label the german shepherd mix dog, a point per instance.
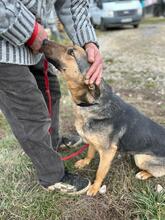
(105, 121)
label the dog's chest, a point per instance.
(91, 131)
(81, 120)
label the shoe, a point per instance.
(69, 141)
(71, 184)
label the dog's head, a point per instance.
(72, 62)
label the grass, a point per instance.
(21, 197)
(150, 204)
(153, 20)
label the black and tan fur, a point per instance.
(105, 121)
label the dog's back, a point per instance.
(142, 135)
(135, 132)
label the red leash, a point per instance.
(75, 153)
(47, 87)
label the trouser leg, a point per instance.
(38, 72)
(24, 107)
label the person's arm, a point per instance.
(75, 17)
(16, 22)
(74, 14)
(18, 25)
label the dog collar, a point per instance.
(86, 104)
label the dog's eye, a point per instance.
(71, 52)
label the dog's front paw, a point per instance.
(143, 175)
(82, 163)
(93, 189)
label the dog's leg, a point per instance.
(150, 166)
(90, 155)
(106, 157)
(143, 175)
(142, 161)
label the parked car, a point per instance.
(115, 13)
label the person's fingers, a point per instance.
(95, 75)
(90, 54)
(93, 67)
(98, 80)
(86, 81)
(91, 70)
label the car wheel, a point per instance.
(102, 25)
(136, 25)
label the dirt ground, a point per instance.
(134, 65)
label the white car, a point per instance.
(115, 13)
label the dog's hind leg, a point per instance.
(106, 157)
(90, 155)
(150, 166)
(143, 175)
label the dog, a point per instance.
(105, 121)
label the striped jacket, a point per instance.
(17, 19)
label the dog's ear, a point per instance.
(94, 91)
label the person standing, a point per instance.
(21, 101)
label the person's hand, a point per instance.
(36, 40)
(94, 73)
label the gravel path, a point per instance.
(135, 66)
